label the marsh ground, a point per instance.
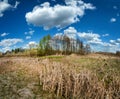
(92, 76)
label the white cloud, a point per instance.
(32, 44)
(94, 39)
(70, 30)
(118, 40)
(113, 20)
(28, 37)
(4, 34)
(114, 42)
(58, 16)
(89, 36)
(4, 5)
(4, 49)
(10, 42)
(16, 4)
(58, 35)
(98, 44)
(80, 3)
(104, 35)
(111, 46)
(30, 32)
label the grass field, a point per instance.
(92, 76)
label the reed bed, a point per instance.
(66, 78)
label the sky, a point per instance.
(25, 22)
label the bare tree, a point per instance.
(87, 48)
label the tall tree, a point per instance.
(44, 46)
(66, 44)
(87, 48)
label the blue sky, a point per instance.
(96, 22)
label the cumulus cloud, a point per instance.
(4, 34)
(10, 42)
(58, 16)
(71, 32)
(4, 5)
(113, 20)
(80, 3)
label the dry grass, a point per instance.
(64, 77)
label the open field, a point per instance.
(92, 76)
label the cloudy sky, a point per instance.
(96, 22)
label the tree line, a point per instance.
(61, 45)
(53, 45)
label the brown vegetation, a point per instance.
(60, 77)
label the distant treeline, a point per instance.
(109, 53)
(48, 45)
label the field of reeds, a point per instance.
(60, 77)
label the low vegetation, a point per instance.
(93, 76)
